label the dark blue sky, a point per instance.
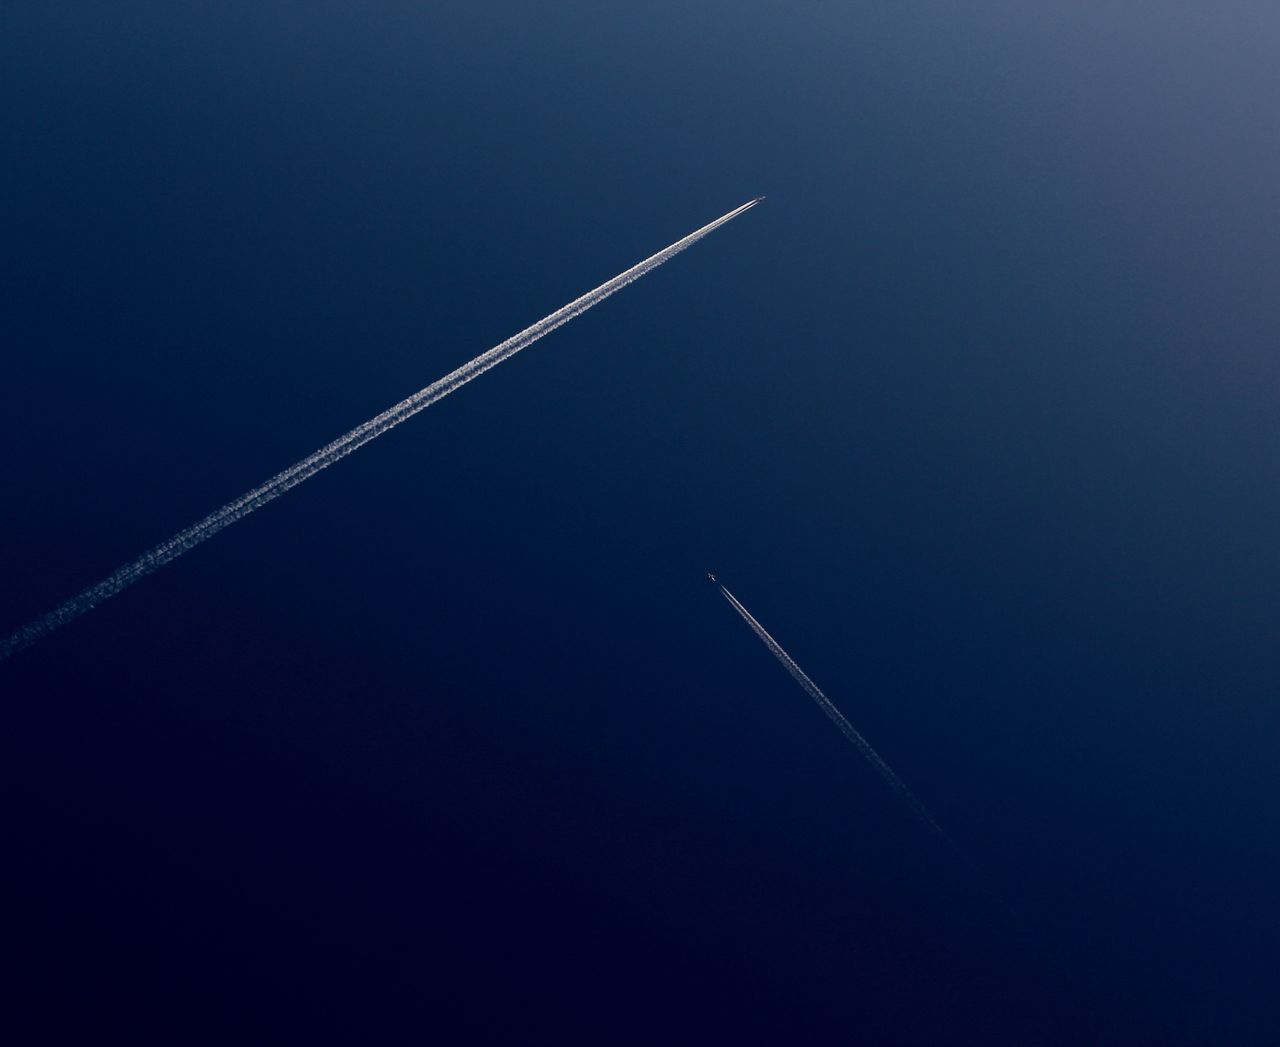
(977, 414)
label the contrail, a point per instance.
(341, 447)
(962, 861)
(837, 717)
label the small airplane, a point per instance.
(710, 577)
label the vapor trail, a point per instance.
(341, 447)
(837, 717)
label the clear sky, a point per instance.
(976, 413)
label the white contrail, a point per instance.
(959, 857)
(837, 717)
(340, 448)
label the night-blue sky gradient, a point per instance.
(976, 413)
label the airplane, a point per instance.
(757, 199)
(710, 577)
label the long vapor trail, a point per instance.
(341, 447)
(837, 717)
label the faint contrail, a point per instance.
(961, 860)
(837, 717)
(340, 448)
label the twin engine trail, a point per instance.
(846, 728)
(1033, 940)
(340, 448)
